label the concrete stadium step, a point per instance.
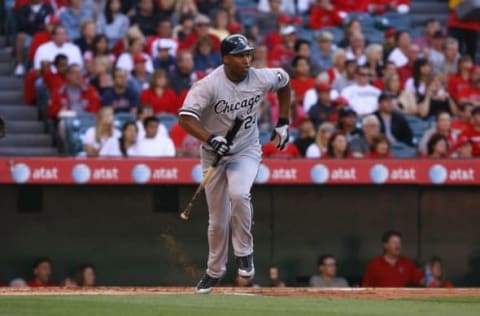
(28, 151)
(6, 56)
(26, 140)
(18, 112)
(25, 127)
(421, 10)
(11, 83)
(6, 69)
(12, 97)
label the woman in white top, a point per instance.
(417, 85)
(125, 146)
(319, 147)
(96, 137)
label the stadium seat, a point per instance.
(75, 128)
(373, 35)
(264, 136)
(365, 19)
(418, 126)
(168, 120)
(306, 34)
(401, 150)
(293, 134)
(398, 21)
(247, 16)
(122, 118)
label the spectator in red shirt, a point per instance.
(380, 148)
(472, 94)
(74, 95)
(54, 80)
(281, 54)
(472, 132)
(159, 96)
(42, 271)
(301, 80)
(324, 14)
(406, 71)
(437, 275)
(437, 147)
(465, 31)
(464, 118)
(460, 83)
(348, 6)
(43, 36)
(337, 146)
(392, 269)
(462, 149)
(202, 26)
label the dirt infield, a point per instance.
(353, 293)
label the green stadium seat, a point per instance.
(75, 128)
(168, 120)
(122, 118)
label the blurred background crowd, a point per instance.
(108, 76)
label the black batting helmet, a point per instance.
(235, 44)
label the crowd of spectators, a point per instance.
(390, 269)
(79, 57)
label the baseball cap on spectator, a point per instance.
(164, 44)
(202, 19)
(284, 19)
(325, 36)
(287, 30)
(340, 101)
(234, 27)
(389, 32)
(139, 59)
(347, 111)
(385, 95)
(322, 87)
(52, 19)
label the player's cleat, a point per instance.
(206, 284)
(246, 269)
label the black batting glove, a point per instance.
(219, 144)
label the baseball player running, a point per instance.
(232, 90)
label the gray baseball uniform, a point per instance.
(216, 101)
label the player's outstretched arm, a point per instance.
(193, 127)
(280, 134)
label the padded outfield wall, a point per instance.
(134, 236)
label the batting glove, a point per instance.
(219, 144)
(282, 131)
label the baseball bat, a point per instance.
(185, 215)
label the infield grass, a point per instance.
(216, 305)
